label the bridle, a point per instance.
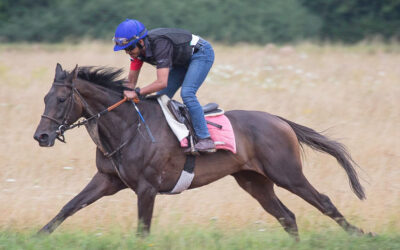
(63, 124)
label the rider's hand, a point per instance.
(130, 94)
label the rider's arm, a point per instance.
(157, 85)
(132, 78)
(162, 53)
(136, 65)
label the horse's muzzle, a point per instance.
(44, 139)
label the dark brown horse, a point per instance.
(268, 151)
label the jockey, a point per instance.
(182, 60)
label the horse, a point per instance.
(268, 151)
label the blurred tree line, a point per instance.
(230, 21)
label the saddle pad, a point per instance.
(179, 129)
(223, 138)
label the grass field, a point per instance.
(195, 238)
(352, 91)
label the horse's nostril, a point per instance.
(41, 137)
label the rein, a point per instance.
(64, 127)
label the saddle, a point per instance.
(181, 113)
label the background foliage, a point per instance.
(231, 21)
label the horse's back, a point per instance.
(259, 123)
(263, 135)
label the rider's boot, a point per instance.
(205, 145)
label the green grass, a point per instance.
(196, 238)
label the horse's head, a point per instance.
(61, 108)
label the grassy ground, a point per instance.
(354, 91)
(191, 238)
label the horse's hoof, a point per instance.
(372, 234)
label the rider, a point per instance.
(182, 60)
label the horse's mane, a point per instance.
(103, 76)
(106, 77)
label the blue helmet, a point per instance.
(128, 33)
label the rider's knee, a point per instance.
(188, 95)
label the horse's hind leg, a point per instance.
(100, 185)
(322, 202)
(290, 176)
(261, 188)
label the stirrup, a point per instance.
(191, 150)
(188, 151)
(208, 151)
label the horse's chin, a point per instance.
(47, 144)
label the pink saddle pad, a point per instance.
(224, 138)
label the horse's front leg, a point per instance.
(146, 194)
(100, 185)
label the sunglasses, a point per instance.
(131, 47)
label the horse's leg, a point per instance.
(261, 188)
(290, 176)
(100, 185)
(146, 194)
(322, 202)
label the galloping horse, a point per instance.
(268, 150)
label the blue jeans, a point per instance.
(190, 79)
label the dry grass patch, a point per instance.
(353, 92)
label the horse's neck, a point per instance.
(113, 124)
(95, 99)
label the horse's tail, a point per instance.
(321, 143)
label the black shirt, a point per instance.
(158, 53)
(168, 47)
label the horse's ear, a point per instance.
(59, 71)
(74, 74)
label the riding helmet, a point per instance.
(128, 33)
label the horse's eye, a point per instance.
(61, 99)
